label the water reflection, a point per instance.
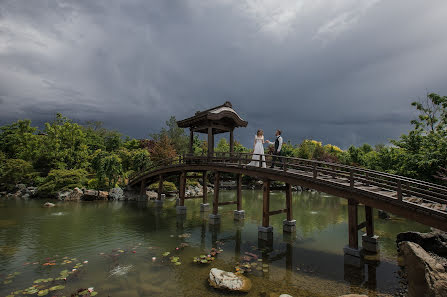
(308, 262)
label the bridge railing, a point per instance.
(399, 187)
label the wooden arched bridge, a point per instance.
(420, 201)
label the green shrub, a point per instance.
(15, 171)
(193, 183)
(167, 187)
(63, 180)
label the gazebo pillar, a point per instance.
(231, 141)
(191, 140)
(210, 142)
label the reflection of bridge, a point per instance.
(416, 200)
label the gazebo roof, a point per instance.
(221, 118)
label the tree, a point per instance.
(15, 171)
(222, 146)
(63, 180)
(17, 140)
(176, 135)
(163, 150)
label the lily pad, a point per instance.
(42, 292)
(178, 263)
(7, 282)
(55, 288)
(165, 254)
(94, 293)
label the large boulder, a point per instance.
(63, 195)
(90, 195)
(116, 194)
(426, 277)
(220, 279)
(75, 195)
(435, 241)
(103, 195)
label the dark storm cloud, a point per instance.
(342, 72)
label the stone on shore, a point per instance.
(103, 195)
(151, 195)
(116, 194)
(220, 279)
(435, 241)
(383, 215)
(75, 195)
(426, 277)
(49, 204)
(90, 195)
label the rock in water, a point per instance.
(435, 241)
(151, 195)
(116, 194)
(383, 215)
(103, 195)
(49, 204)
(426, 277)
(90, 195)
(228, 280)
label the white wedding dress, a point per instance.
(258, 152)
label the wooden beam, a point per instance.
(216, 192)
(369, 221)
(142, 186)
(266, 203)
(205, 188)
(271, 213)
(361, 225)
(289, 201)
(239, 192)
(353, 224)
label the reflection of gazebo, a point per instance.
(219, 119)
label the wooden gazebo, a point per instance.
(219, 119)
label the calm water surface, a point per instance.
(120, 240)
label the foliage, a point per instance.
(63, 180)
(223, 146)
(177, 136)
(15, 171)
(167, 187)
(108, 168)
(163, 150)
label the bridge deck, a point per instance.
(422, 201)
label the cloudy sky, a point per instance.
(340, 71)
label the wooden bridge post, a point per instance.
(352, 253)
(160, 187)
(205, 206)
(214, 218)
(142, 190)
(369, 240)
(239, 214)
(181, 208)
(289, 225)
(265, 232)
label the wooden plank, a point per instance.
(361, 225)
(352, 224)
(266, 203)
(216, 192)
(271, 213)
(289, 201)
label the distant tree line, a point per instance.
(65, 154)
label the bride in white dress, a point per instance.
(258, 150)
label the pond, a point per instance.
(139, 249)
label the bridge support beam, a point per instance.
(214, 218)
(289, 225)
(370, 241)
(181, 208)
(239, 214)
(143, 190)
(353, 255)
(205, 206)
(265, 232)
(160, 187)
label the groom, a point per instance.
(278, 146)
